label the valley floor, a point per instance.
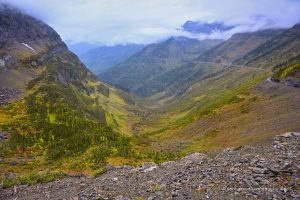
(270, 172)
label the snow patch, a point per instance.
(29, 47)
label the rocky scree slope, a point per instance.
(270, 172)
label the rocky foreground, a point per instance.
(271, 172)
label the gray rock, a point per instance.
(10, 175)
(13, 163)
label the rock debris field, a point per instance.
(269, 172)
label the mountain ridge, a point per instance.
(153, 60)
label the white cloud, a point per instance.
(140, 21)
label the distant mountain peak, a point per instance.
(205, 27)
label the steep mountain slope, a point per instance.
(139, 71)
(237, 46)
(100, 59)
(176, 82)
(63, 116)
(281, 49)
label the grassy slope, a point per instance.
(240, 110)
(256, 118)
(202, 97)
(215, 112)
(120, 114)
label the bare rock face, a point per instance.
(271, 172)
(21, 33)
(15, 24)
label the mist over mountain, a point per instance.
(204, 27)
(145, 22)
(81, 47)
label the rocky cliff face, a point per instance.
(270, 172)
(22, 27)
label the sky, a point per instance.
(145, 21)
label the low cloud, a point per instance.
(135, 21)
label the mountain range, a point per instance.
(157, 102)
(228, 81)
(143, 72)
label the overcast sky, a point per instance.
(145, 21)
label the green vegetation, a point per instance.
(207, 97)
(286, 70)
(32, 179)
(63, 123)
